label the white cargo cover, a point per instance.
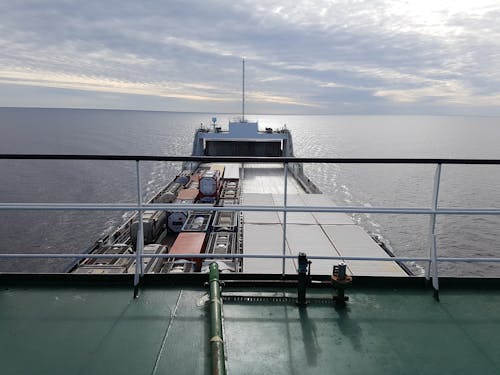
(232, 171)
(267, 178)
(259, 217)
(321, 200)
(264, 239)
(351, 240)
(294, 217)
(311, 239)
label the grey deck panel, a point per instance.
(267, 178)
(263, 185)
(322, 200)
(352, 240)
(263, 199)
(294, 217)
(232, 171)
(311, 200)
(265, 239)
(311, 239)
(259, 217)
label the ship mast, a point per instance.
(243, 101)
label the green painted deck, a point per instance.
(103, 330)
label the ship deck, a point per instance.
(395, 329)
(319, 234)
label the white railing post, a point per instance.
(140, 234)
(432, 270)
(285, 201)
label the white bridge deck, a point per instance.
(321, 234)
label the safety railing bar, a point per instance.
(433, 265)
(212, 256)
(71, 207)
(238, 256)
(82, 256)
(285, 210)
(140, 235)
(472, 260)
(198, 207)
(251, 159)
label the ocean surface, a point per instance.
(66, 131)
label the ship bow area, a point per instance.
(262, 233)
(254, 240)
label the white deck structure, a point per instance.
(322, 234)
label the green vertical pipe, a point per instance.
(216, 339)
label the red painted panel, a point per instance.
(188, 194)
(190, 243)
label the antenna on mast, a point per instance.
(243, 102)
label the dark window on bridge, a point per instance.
(232, 148)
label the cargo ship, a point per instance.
(200, 229)
(195, 224)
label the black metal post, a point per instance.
(303, 279)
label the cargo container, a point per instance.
(170, 193)
(208, 199)
(178, 266)
(227, 202)
(190, 243)
(184, 177)
(193, 184)
(230, 190)
(209, 183)
(117, 248)
(154, 223)
(226, 221)
(195, 177)
(150, 265)
(100, 270)
(222, 243)
(176, 220)
(232, 172)
(220, 168)
(197, 221)
(188, 194)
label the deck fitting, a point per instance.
(303, 279)
(340, 281)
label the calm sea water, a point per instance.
(162, 133)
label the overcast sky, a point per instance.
(317, 56)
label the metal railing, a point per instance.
(433, 259)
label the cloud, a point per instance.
(303, 56)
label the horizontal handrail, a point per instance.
(209, 256)
(198, 207)
(242, 256)
(251, 159)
